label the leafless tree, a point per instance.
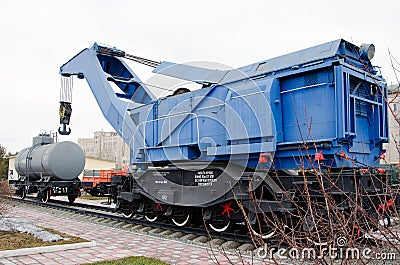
(4, 201)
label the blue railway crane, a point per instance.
(246, 129)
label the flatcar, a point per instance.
(104, 182)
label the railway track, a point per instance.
(235, 242)
(102, 215)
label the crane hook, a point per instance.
(64, 130)
(65, 116)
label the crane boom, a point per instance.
(100, 65)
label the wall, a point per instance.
(95, 164)
(12, 173)
(392, 151)
(107, 146)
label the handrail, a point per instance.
(145, 145)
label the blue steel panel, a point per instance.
(190, 73)
(171, 153)
(248, 114)
(241, 149)
(311, 54)
(125, 79)
(308, 104)
(342, 103)
(309, 93)
(202, 75)
(309, 115)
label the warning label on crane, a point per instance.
(205, 178)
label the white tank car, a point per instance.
(63, 161)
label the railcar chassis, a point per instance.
(47, 187)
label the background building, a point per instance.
(393, 147)
(106, 146)
(12, 173)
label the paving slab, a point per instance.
(110, 243)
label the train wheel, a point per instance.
(305, 230)
(260, 228)
(22, 194)
(386, 215)
(153, 211)
(45, 195)
(262, 232)
(317, 229)
(128, 213)
(151, 217)
(319, 241)
(220, 227)
(72, 198)
(388, 221)
(181, 219)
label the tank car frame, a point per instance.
(48, 187)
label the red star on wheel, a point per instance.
(227, 209)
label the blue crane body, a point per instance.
(254, 128)
(325, 96)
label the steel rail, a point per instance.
(110, 214)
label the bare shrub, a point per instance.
(4, 197)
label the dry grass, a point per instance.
(90, 197)
(132, 261)
(15, 240)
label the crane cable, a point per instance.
(142, 60)
(146, 62)
(118, 53)
(112, 51)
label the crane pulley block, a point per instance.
(104, 49)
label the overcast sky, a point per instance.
(37, 37)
